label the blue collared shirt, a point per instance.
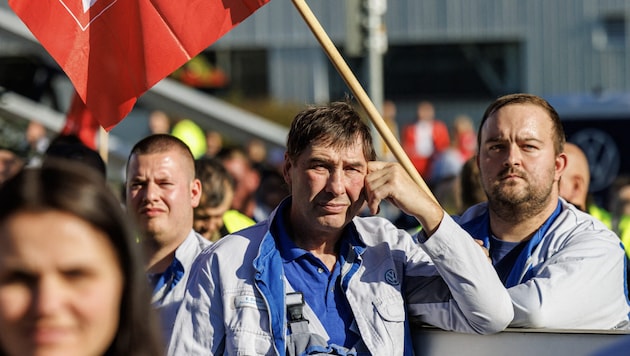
(170, 286)
(321, 288)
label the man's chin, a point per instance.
(510, 197)
(332, 222)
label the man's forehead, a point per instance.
(525, 116)
(353, 151)
(165, 162)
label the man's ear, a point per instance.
(195, 192)
(561, 164)
(286, 168)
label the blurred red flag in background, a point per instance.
(115, 50)
(81, 122)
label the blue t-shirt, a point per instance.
(504, 254)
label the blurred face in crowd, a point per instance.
(573, 185)
(214, 143)
(60, 286)
(10, 164)
(327, 187)
(246, 181)
(159, 122)
(161, 194)
(209, 220)
(518, 164)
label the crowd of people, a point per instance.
(222, 252)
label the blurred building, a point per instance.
(460, 54)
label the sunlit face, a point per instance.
(161, 195)
(327, 187)
(60, 286)
(517, 160)
(209, 220)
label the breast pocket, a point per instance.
(248, 331)
(391, 308)
(388, 322)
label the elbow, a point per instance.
(533, 318)
(495, 320)
(492, 326)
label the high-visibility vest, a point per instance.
(234, 220)
(600, 214)
(623, 230)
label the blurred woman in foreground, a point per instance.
(71, 275)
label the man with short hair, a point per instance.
(161, 193)
(562, 268)
(315, 278)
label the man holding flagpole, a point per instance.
(316, 279)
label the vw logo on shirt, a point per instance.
(391, 278)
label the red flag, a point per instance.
(115, 50)
(81, 122)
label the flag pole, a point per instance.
(103, 145)
(375, 117)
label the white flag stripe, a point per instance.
(87, 4)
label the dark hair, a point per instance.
(336, 124)
(214, 178)
(64, 185)
(71, 147)
(521, 98)
(471, 189)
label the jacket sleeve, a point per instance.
(199, 329)
(465, 293)
(578, 284)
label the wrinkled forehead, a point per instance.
(336, 151)
(355, 143)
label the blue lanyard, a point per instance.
(479, 228)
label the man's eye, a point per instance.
(75, 273)
(17, 277)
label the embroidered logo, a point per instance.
(391, 278)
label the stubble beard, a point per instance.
(517, 202)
